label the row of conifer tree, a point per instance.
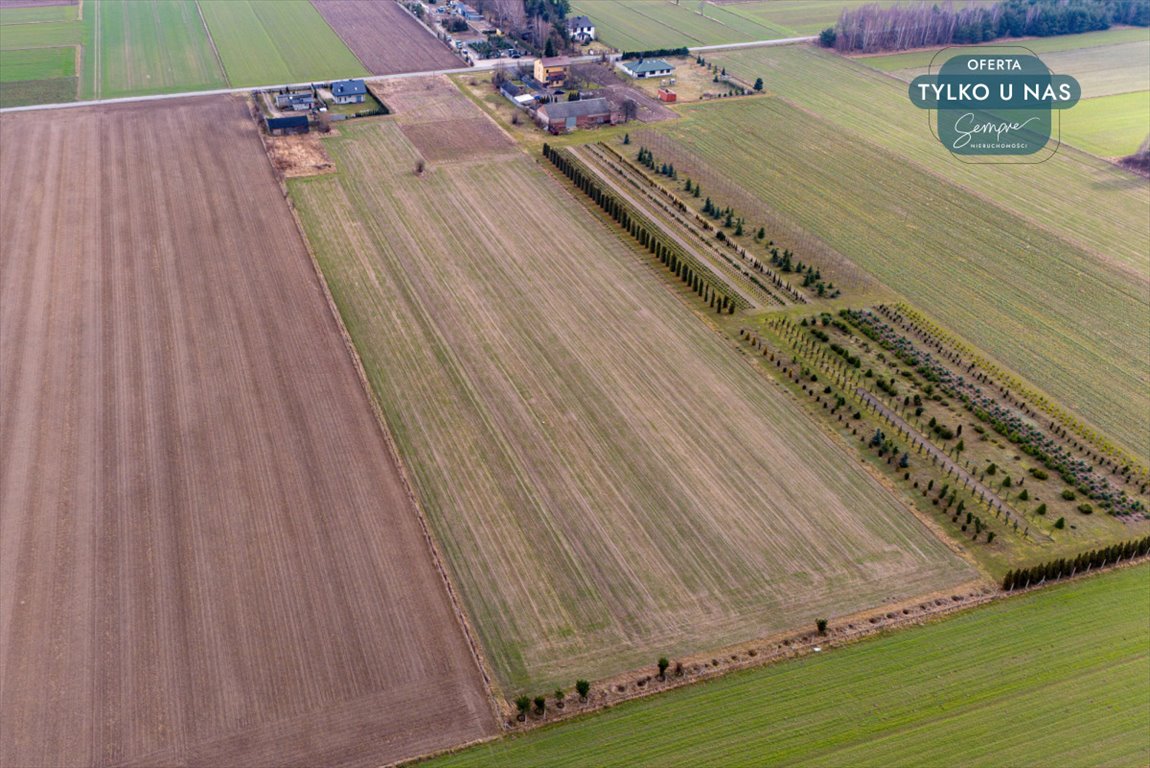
(1065, 567)
(648, 236)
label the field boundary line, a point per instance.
(212, 43)
(393, 451)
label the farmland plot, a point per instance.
(1055, 313)
(268, 42)
(966, 691)
(608, 479)
(207, 552)
(385, 38)
(153, 46)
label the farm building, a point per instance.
(667, 95)
(644, 68)
(552, 72)
(348, 91)
(298, 101)
(566, 116)
(580, 28)
(287, 124)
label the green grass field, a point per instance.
(635, 25)
(265, 42)
(37, 64)
(35, 15)
(1109, 126)
(153, 46)
(22, 92)
(1050, 260)
(890, 62)
(1056, 677)
(607, 478)
(1102, 70)
(46, 35)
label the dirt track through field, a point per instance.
(207, 554)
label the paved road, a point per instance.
(479, 66)
(947, 462)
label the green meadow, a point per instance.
(1060, 676)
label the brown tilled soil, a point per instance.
(207, 553)
(442, 123)
(385, 38)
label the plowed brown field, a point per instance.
(207, 554)
(385, 38)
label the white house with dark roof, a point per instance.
(580, 28)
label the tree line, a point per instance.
(1066, 567)
(871, 28)
(683, 267)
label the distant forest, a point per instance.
(871, 28)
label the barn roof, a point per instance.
(561, 110)
(348, 88)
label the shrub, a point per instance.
(1024, 496)
(821, 625)
(992, 469)
(1038, 474)
(582, 687)
(1060, 523)
(989, 536)
(663, 664)
(1040, 509)
(522, 704)
(1006, 482)
(540, 705)
(1068, 494)
(1086, 509)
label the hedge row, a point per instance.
(1064, 567)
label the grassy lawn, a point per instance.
(1057, 677)
(154, 46)
(37, 64)
(1109, 126)
(1051, 311)
(607, 478)
(266, 42)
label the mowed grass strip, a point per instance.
(266, 42)
(609, 481)
(1110, 126)
(154, 46)
(1057, 677)
(37, 64)
(1048, 310)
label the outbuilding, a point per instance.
(296, 101)
(644, 68)
(287, 124)
(567, 116)
(348, 91)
